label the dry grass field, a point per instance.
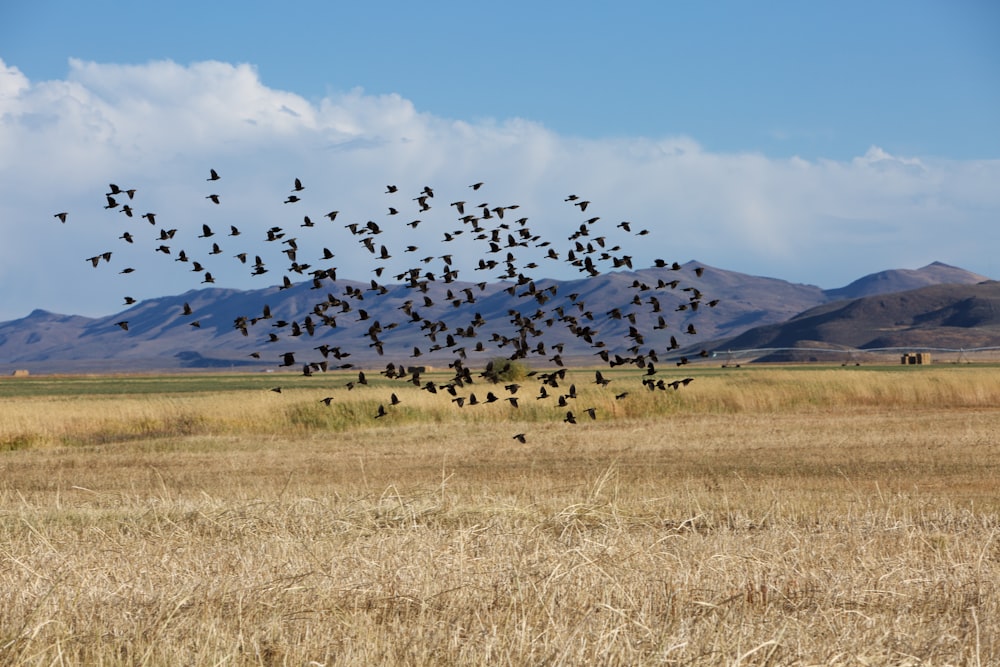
(760, 516)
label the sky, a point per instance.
(812, 142)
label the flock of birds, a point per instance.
(502, 237)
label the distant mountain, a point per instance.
(900, 280)
(432, 325)
(946, 316)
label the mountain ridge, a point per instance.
(161, 337)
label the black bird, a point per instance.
(123, 324)
(214, 175)
(214, 198)
(61, 216)
(521, 438)
(298, 186)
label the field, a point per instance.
(759, 516)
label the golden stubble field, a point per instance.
(759, 517)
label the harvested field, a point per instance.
(762, 516)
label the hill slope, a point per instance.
(432, 324)
(945, 316)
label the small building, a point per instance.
(21, 373)
(918, 358)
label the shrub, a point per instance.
(501, 369)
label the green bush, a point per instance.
(501, 369)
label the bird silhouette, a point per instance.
(622, 334)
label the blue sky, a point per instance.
(813, 142)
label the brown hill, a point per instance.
(901, 280)
(160, 337)
(950, 317)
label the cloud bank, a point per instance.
(159, 127)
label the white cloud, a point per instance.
(160, 126)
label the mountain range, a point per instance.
(934, 306)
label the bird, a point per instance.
(123, 324)
(61, 216)
(520, 437)
(459, 333)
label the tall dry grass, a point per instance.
(780, 517)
